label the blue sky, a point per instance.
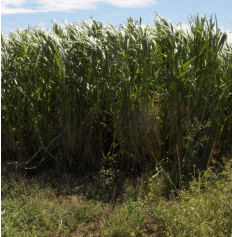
(23, 13)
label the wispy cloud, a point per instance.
(36, 6)
(42, 24)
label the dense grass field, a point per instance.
(137, 118)
(45, 206)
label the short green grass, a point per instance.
(205, 209)
(32, 207)
(29, 210)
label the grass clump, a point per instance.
(126, 220)
(203, 210)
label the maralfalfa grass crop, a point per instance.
(86, 96)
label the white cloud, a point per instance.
(8, 11)
(131, 3)
(28, 6)
(16, 3)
